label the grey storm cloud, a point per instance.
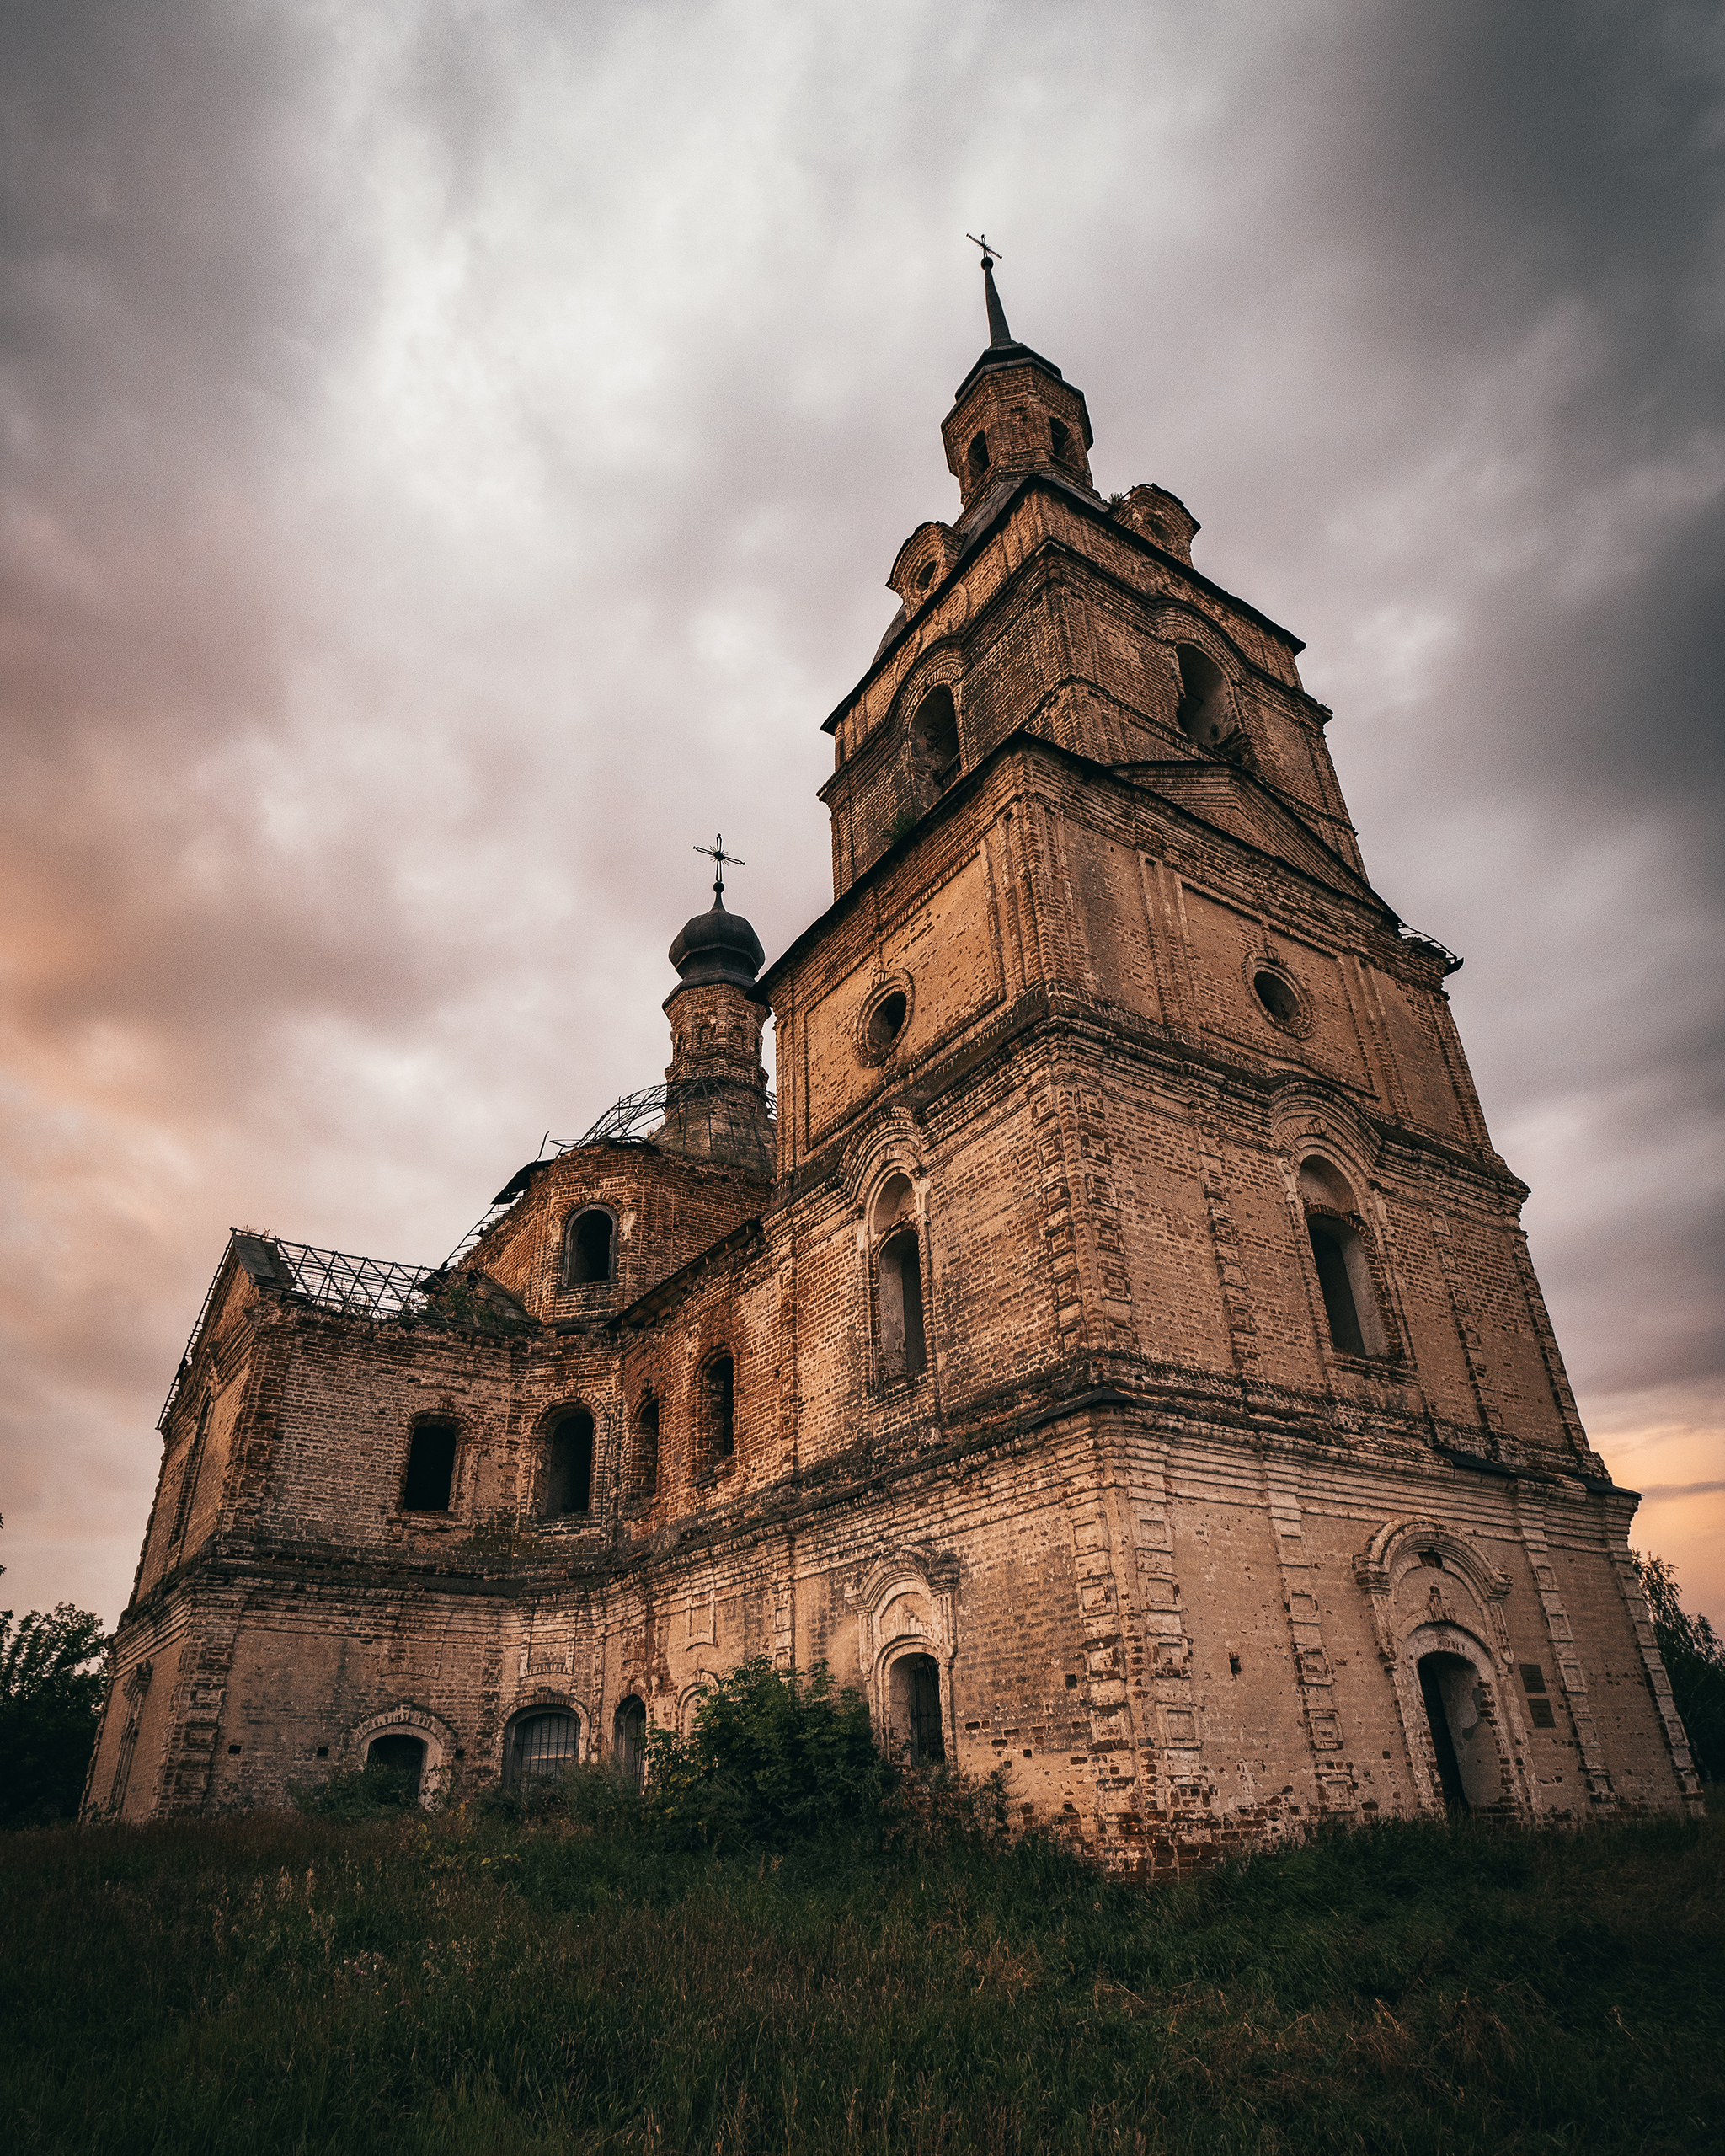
(450, 459)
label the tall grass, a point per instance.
(275, 1983)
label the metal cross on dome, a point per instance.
(991, 252)
(717, 854)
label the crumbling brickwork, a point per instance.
(1124, 1315)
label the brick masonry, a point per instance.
(1106, 1015)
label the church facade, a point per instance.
(1116, 1351)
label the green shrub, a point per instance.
(592, 1794)
(1694, 1656)
(773, 1758)
(358, 1793)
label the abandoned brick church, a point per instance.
(1115, 1352)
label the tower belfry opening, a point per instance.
(1115, 1331)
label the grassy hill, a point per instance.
(277, 1982)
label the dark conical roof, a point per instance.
(718, 946)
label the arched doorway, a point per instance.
(402, 1755)
(917, 1722)
(629, 1739)
(1463, 1733)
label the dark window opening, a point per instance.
(189, 1478)
(1058, 437)
(568, 1466)
(721, 1407)
(1205, 714)
(322, 1751)
(979, 456)
(903, 1348)
(934, 743)
(886, 1021)
(1278, 998)
(430, 1474)
(1331, 1253)
(925, 575)
(590, 1238)
(629, 1739)
(915, 1709)
(543, 1747)
(1538, 1706)
(402, 1754)
(1233, 1665)
(644, 1484)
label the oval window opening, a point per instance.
(886, 1021)
(1278, 998)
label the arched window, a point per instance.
(979, 456)
(1356, 1327)
(431, 1472)
(629, 1739)
(915, 1688)
(568, 1466)
(719, 1386)
(934, 742)
(590, 1249)
(1058, 437)
(1206, 708)
(643, 1467)
(898, 1271)
(542, 1746)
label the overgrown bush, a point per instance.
(773, 1756)
(358, 1793)
(1694, 1656)
(594, 1794)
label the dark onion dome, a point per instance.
(718, 946)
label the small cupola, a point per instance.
(717, 946)
(922, 564)
(1014, 412)
(715, 1100)
(1161, 518)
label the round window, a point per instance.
(886, 1021)
(1277, 997)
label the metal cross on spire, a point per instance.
(717, 854)
(998, 333)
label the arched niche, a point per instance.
(391, 1732)
(1437, 1608)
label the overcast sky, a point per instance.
(449, 461)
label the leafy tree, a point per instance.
(1694, 1656)
(773, 1756)
(51, 1699)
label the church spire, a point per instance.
(998, 333)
